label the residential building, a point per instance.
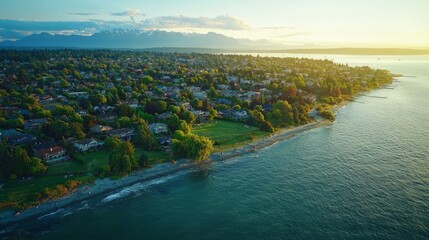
(122, 133)
(87, 144)
(201, 116)
(52, 154)
(158, 128)
(100, 128)
(240, 114)
(34, 123)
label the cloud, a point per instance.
(130, 12)
(220, 22)
(21, 25)
(82, 13)
(7, 34)
(17, 29)
(293, 34)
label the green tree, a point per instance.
(37, 166)
(7, 163)
(282, 114)
(189, 117)
(212, 92)
(161, 106)
(191, 146)
(212, 113)
(122, 158)
(61, 129)
(184, 127)
(26, 166)
(112, 142)
(76, 130)
(123, 122)
(97, 99)
(144, 160)
(267, 127)
(144, 138)
(197, 104)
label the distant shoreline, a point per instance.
(356, 51)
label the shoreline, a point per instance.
(9, 218)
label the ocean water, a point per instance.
(366, 176)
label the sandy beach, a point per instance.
(105, 186)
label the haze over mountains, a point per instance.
(135, 39)
(163, 41)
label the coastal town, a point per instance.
(70, 116)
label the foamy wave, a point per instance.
(138, 187)
(51, 214)
(67, 214)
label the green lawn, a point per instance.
(96, 160)
(20, 190)
(228, 134)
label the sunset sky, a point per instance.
(307, 23)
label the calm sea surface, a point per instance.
(364, 177)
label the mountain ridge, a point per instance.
(136, 39)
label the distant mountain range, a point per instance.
(163, 41)
(135, 39)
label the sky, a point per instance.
(306, 23)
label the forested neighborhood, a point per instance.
(104, 113)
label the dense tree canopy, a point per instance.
(191, 146)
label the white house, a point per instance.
(240, 114)
(157, 128)
(200, 95)
(87, 144)
(201, 116)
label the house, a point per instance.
(158, 128)
(227, 113)
(186, 105)
(201, 116)
(222, 87)
(122, 133)
(201, 95)
(87, 144)
(8, 133)
(52, 154)
(165, 115)
(100, 128)
(250, 95)
(108, 117)
(224, 101)
(22, 139)
(79, 94)
(8, 109)
(103, 108)
(34, 123)
(42, 145)
(266, 107)
(240, 114)
(165, 141)
(24, 112)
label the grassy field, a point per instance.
(228, 135)
(21, 190)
